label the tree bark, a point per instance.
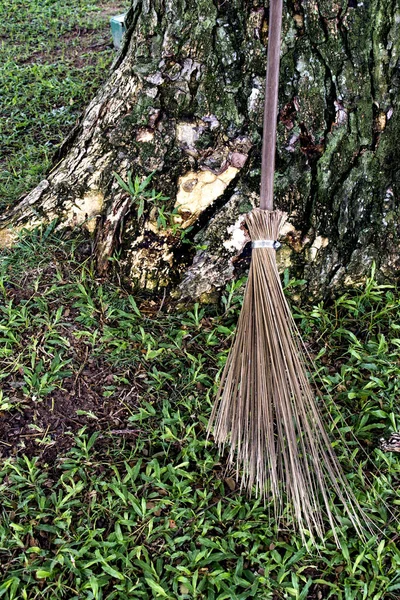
(184, 100)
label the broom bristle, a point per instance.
(266, 409)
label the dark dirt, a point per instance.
(43, 427)
(80, 45)
(76, 47)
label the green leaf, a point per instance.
(134, 306)
(150, 354)
(345, 550)
(381, 414)
(4, 586)
(157, 587)
(122, 183)
(12, 585)
(131, 184)
(380, 548)
(40, 574)
(92, 440)
(94, 585)
(113, 572)
(140, 208)
(304, 591)
(146, 182)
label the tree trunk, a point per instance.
(184, 100)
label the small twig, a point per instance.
(124, 431)
(81, 368)
(162, 301)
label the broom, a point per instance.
(265, 407)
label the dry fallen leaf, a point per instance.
(230, 482)
(172, 524)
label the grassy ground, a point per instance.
(53, 56)
(109, 488)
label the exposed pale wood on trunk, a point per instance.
(185, 95)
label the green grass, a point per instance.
(54, 55)
(109, 488)
(153, 514)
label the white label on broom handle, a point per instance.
(265, 244)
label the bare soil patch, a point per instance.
(79, 46)
(95, 393)
(44, 427)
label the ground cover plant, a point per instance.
(53, 56)
(109, 488)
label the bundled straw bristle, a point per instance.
(266, 410)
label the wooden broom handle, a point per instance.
(271, 106)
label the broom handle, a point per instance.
(271, 106)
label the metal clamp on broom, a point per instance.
(265, 408)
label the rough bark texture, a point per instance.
(184, 99)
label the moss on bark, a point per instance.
(185, 95)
